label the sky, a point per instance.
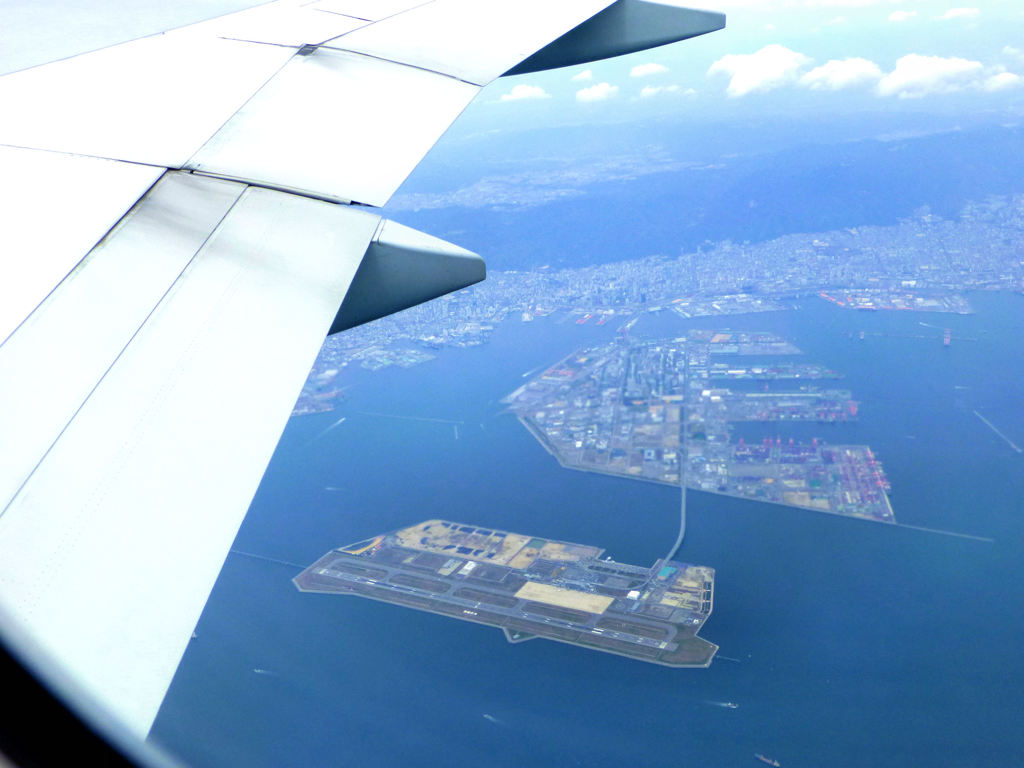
(784, 58)
(782, 73)
(773, 54)
(794, 57)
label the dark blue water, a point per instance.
(857, 643)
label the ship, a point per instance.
(724, 704)
(767, 760)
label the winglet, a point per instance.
(624, 27)
(402, 268)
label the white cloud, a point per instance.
(916, 76)
(523, 91)
(898, 16)
(960, 13)
(838, 3)
(645, 70)
(599, 92)
(836, 75)
(769, 68)
(653, 90)
(1013, 53)
(835, 21)
(583, 76)
(1002, 81)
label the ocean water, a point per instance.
(849, 643)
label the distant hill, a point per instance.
(812, 187)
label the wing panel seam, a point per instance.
(188, 163)
(400, 63)
(131, 339)
(85, 154)
(81, 261)
(372, 21)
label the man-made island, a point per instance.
(529, 587)
(661, 411)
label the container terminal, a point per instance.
(530, 588)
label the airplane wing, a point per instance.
(183, 218)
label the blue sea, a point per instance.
(843, 642)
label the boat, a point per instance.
(725, 704)
(768, 760)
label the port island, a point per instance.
(662, 410)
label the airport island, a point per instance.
(530, 588)
(661, 411)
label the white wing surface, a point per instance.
(186, 210)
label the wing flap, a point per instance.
(109, 549)
(54, 360)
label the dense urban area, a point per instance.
(922, 263)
